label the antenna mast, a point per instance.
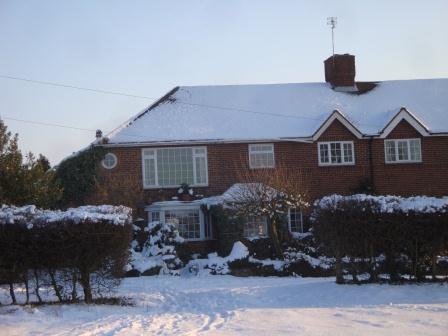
(332, 21)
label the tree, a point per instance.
(270, 193)
(29, 182)
(78, 175)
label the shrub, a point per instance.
(86, 245)
(386, 234)
(163, 242)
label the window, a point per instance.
(261, 156)
(255, 226)
(295, 220)
(336, 153)
(188, 220)
(109, 161)
(170, 167)
(402, 150)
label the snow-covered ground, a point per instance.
(226, 305)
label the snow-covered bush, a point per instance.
(217, 265)
(161, 247)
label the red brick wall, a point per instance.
(430, 177)
(224, 161)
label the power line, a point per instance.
(47, 124)
(75, 87)
(145, 97)
(152, 98)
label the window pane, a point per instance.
(150, 173)
(415, 148)
(155, 216)
(402, 150)
(336, 156)
(187, 222)
(201, 171)
(324, 158)
(255, 226)
(390, 151)
(348, 152)
(295, 220)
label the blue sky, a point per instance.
(148, 47)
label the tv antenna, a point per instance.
(332, 21)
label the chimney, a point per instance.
(340, 70)
(99, 134)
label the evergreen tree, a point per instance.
(29, 182)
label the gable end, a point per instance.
(404, 115)
(336, 116)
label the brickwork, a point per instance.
(225, 160)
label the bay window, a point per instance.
(189, 220)
(255, 226)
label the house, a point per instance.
(342, 135)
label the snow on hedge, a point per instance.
(30, 215)
(389, 204)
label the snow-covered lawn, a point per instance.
(226, 305)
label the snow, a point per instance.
(215, 264)
(390, 204)
(226, 305)
(31, 215)
(274, 111)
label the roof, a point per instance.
(279, 111)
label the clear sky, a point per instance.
(148, 47)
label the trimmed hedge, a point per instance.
(383, 235)
(86, 246)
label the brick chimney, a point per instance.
(340, 70)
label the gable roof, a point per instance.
(284, 111)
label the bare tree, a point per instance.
(270, 193)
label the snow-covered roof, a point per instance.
(274, 111)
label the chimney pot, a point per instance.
(99, 134)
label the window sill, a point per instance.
(336, 164)
(174, 186)
(402, 162)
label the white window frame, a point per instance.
(252, 151)
(343, 162)
(161, 209)
(301, 222)
(154, 157)
(265, 224)
(395, 141)
(115, 163)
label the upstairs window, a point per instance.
(402, 150)
(336, 153)
(261, 156)
(170, 167)
(109, 161)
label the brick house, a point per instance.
(339, 134)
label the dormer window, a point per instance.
(402, 150)
(336, 153)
